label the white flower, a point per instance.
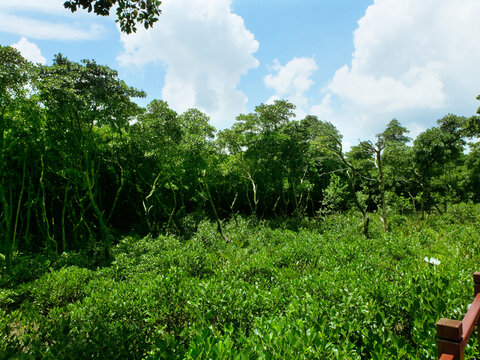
(432, 260)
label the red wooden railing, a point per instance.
(453, 335)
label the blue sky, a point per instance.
(356, 63)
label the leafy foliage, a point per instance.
(270, 293)
(129, 12)
(108, 247)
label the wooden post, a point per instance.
(476, 282)
(449, 338)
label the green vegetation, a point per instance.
(320, 291)
(130, 232)
(129, 13)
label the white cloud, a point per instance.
(23, 17)
(419, 87)
(205, 49)
(45, 6)
(411, 57)
(30, 51)
(324, 109)
(415, 129)
(292, 81)
(38, 29)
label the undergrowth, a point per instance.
(315, 289)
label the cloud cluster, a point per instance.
(292, 81)
(411, 57)
(30, 51)
(411, 54)
(205, 49)
(20, 17)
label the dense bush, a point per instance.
(322, 292)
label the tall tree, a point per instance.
(15, 76)
(390, 140)
(354, 165)
(86, 104)
(156, 166)
(268, 144)
(472, 172)
(437, 152)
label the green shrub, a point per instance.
(61, 287)
(322, 292)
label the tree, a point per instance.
(398, 165)
(129, 12)
(335, 195)
(472, 172)
(472, 131)
(15, 76)
(271, 151)
(437, 153)
(87, 108)
(391, 138)
(353, 164)
(156, 166)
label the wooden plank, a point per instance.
(471, 319)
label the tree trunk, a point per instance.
(64, 208)
(6, 248)
(19, 203)
(366, 218)
(51, 243)
(366, 222)
(212, 205)
(382, 188)
(104, 232)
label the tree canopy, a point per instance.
(80, 161)
(129, 12)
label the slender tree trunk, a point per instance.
(351, 171)
(29, 212)
(378, 155)
(6, 208)
(7, 219)
(117, 195)
(255, 197)
(104, 232)
(274, 209)
(366, 222)
(232, 206)
(78, 222)
(212, 205)
(366, 218)
(147, 208)
(422, 207)
(51, 243)
(64, 209)
(19, 203)
(438, 209)
(247, 195)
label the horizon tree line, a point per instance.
(81, 162)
